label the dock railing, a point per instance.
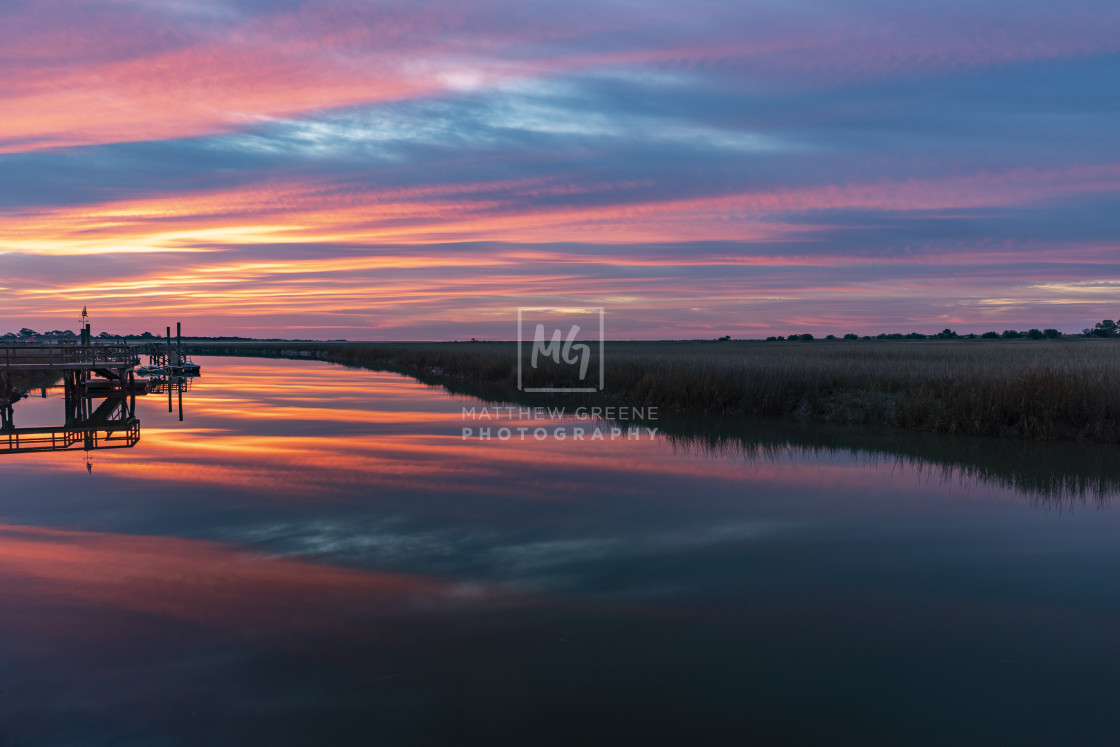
(111, 436)
(37, 356)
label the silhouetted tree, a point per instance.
(1106, 328)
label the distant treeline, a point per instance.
(1105, 328)
(946, 334)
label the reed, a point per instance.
(1040, 389)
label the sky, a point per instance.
(420, 169)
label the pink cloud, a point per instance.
(72, 76)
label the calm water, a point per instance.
(315, 555)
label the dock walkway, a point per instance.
(113, 357)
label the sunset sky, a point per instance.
(418, 170)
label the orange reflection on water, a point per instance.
(278, 468)
(286, 431)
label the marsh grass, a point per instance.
(1061, 389)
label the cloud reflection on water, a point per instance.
(316, 553)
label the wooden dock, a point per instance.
(170, 358)
(111, 426)
(75, 364)
(111, 360)
(89, 370)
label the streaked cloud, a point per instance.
(405, 170)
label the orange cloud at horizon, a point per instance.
(199, 235)
(317, 211)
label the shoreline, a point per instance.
(1062, 390)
